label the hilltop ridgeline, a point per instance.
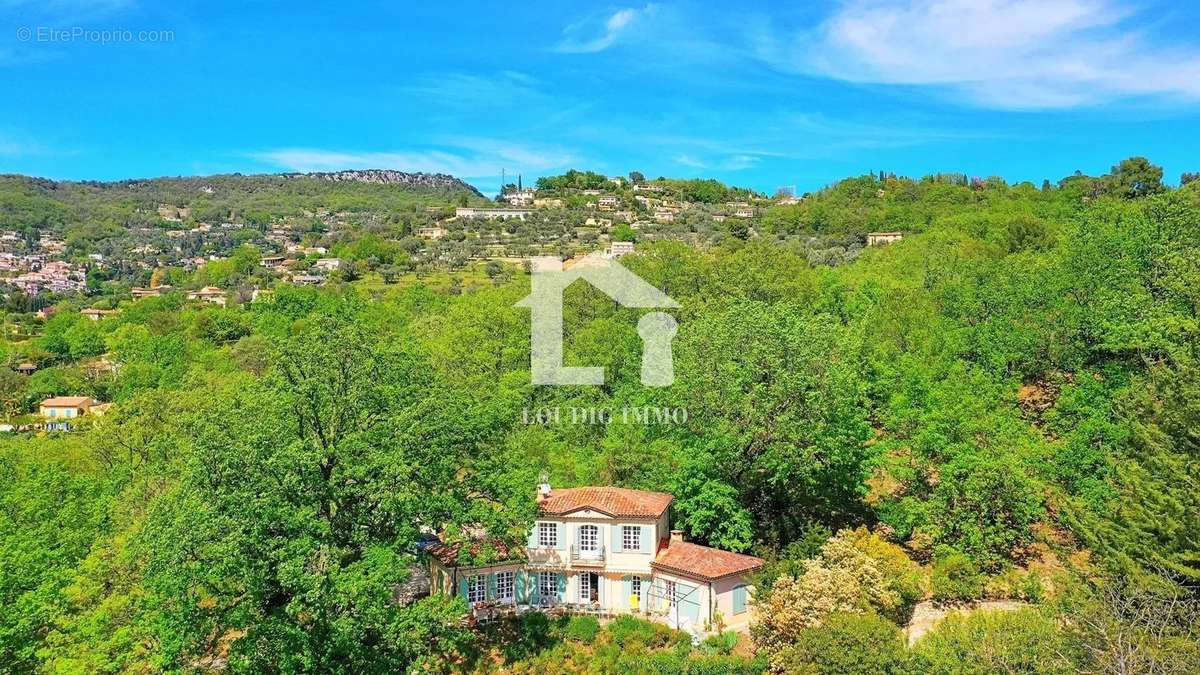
(419, 180)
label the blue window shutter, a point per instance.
(647, 545)
(562, 587)
(491, 586)
(562, 536)
(533, 536)
(739, 599)
(519, 586)
(689, 601)
(616, 537)
(462, 588)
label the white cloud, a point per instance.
(471, 90)
(67, 9)
(589, 36)
(1002, 53)
(12, 148)
(468, 158)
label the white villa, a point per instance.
(883, 238)
(604, 550)
(490, 214)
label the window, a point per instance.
(548, 535)
(476, 589)
(631, 537)
(547, 585)
(670, 593)
(504, 586)
(635, 587)
(589, 536)
(585, 587)
(739, 599)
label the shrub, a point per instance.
(724, 665)
(655, 663)
(985, 506)
(900, 572)
(582, 629)
(857, 572)
(955, 577)
(526, 636)
(846, 643)
(1022, 641)
(627, 630)
(1014, 584)
(722, 643)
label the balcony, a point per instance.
(587, 557)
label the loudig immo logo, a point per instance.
(550, 280)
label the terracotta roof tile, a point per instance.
(69, 401)
(702, 561)
(613, 501)
(448, 554)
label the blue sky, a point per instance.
(755, 94)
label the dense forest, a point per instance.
(1002, 406)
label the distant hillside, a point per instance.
(429, 181)
(27, 202)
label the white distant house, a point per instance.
(97, 314)
(209, 294)
(647, 187)
(431, 232)
(59, 410)
(607, 203)
(139, 293)
(881, 238)
(327, 264)
(523, 197)
(490, 214)
(602, 550)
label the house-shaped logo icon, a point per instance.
(550, 280)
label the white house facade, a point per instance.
(610, 551)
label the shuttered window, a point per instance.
(631, 537)
(739, 599)
(476, 589)
(547, 535)
(505, 587)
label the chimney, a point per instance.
(543, 492)
(676, 535)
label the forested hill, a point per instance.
(256, 199)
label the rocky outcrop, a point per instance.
(426, 181)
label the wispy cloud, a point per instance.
(471, 90)
(463, 157)
(735, 162)
(592, 35)
(13, 148)
(996, 53)
(75, 10)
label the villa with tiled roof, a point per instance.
(607, 550)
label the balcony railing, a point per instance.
(594, 556)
